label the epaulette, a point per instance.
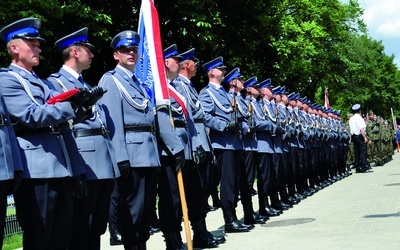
(111, 72)
(55, 75)
(5, 69)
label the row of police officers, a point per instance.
(74, 145)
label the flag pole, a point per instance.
(393, 119)
(152, 63)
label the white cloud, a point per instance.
(381, 17)
(390, 28)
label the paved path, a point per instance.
(361, 211)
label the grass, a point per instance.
(12, 242)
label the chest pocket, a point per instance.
(86, 145)
(134, 138)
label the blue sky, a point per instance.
(383, 22)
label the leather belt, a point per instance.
(90, 132)
(180, 124)
(140, 128)
(198, 120)
(3, 120)
(53, 129)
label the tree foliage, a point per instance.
(305, 45)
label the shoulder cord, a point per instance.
(269, 114)
(124, 93)
(219, 105)
(259, 116)
(25, 86)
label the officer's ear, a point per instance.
(116, 56)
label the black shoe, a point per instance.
(249, 226)
(211, 208)
(269, 212)
(278, 206)
(298, 196)
(202, 240)
(218, 239)
(235, 227)
(305, 193)
(115, 235)
(293, 200)
(286, 200)
(255, 218)
(154, 230)
(284, 204)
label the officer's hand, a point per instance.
(15, 183)
(96, 93)
(79, 98)
(279, 130)
(124, 168)
(179, 161)
(252, 130)
(232, 125)
(79, 186)
(199, 156)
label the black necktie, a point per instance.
(80, 79)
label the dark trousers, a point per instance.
(294, 173)
(229, 169)
(301, 169)
(277, 163)
(313, 173)
(91, 215)
(334, 156)
(360, 151)
(137, 192)
(208, 171)
(327, 160)
(265, 175)
(3, 207)
(169, 205)
(45, 211)
(195, 190)
(214, 180)
(286, 169)
(247, 174)
(114, 205)
(307, 165)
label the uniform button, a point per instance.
(27, 146)
(79, 148)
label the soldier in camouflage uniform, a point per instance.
(373, 132)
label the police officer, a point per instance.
(249, 137)
(283, 119)
(197, 180)
(91, 136)
(247, 167)
(359, 139)
(168, 191)
(263, 128)
(10, 163)
(271, 112)
(133, 128)
(225, 139)
(44, 199)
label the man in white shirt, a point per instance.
(359, 139)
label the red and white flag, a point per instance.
(150, 69)
(327, 105)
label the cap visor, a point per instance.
(34, 38)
